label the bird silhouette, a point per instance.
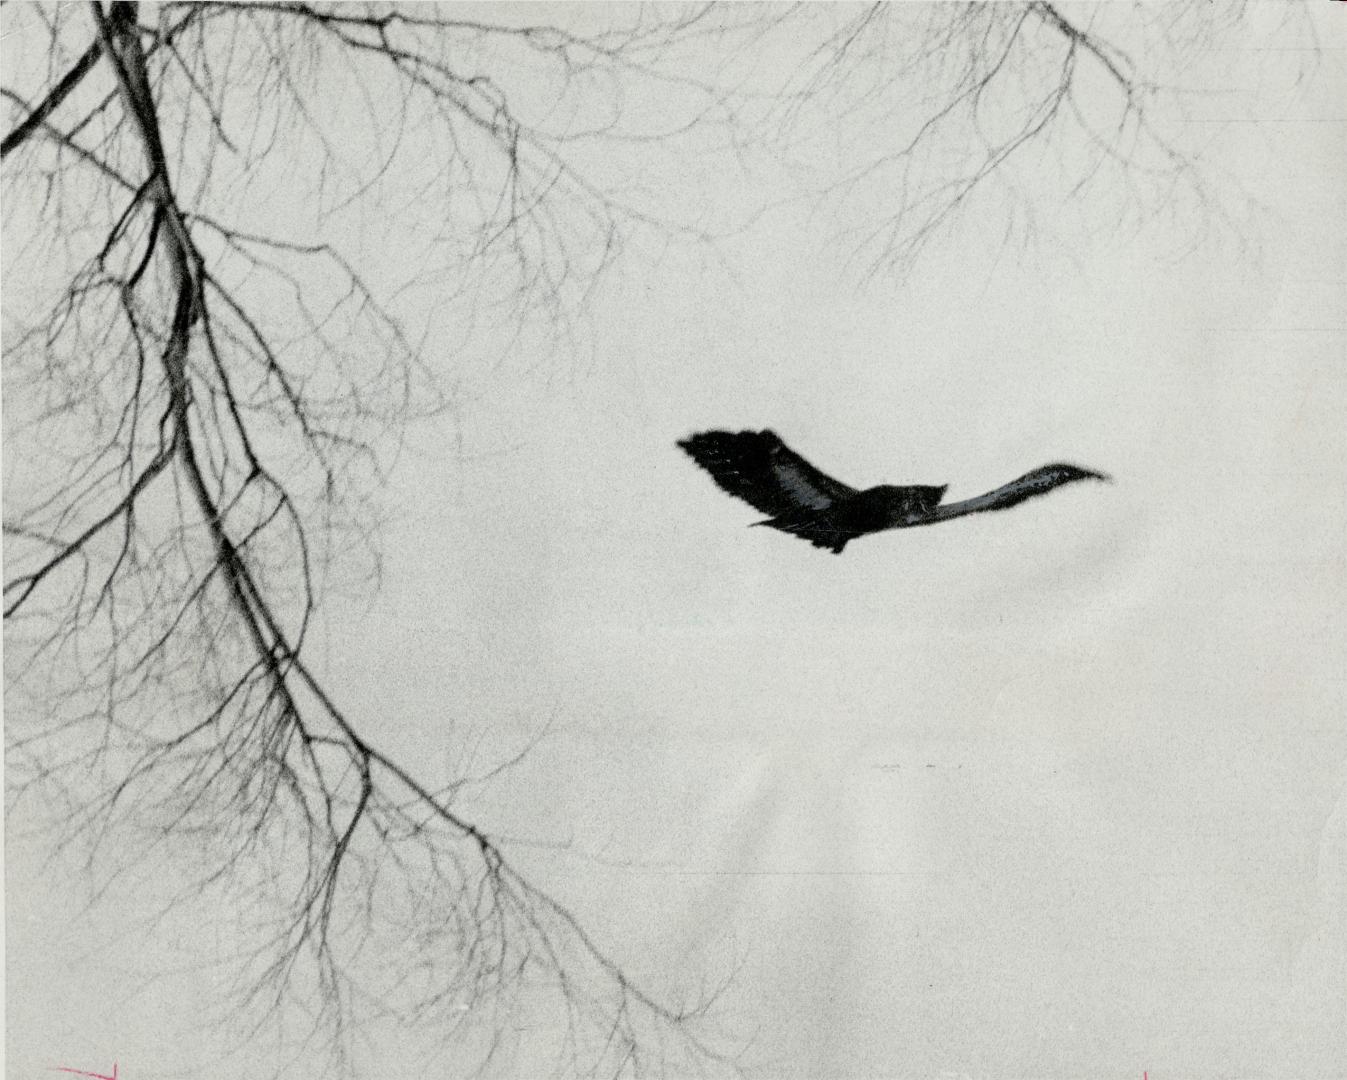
(759, 468)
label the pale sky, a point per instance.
(1058, 792)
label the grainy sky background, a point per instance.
(1059, 792)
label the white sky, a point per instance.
(1059, 792)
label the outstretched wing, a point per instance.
(1026, 487)
(759, 468)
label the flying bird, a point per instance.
(759, 468)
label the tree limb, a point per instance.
(52, 101)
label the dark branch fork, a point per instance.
(759, 468)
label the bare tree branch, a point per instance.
(52, 101)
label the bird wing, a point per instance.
(1026, 487)
(759, 468)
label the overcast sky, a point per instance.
(1056, 792)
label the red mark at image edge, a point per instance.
(91, 1075)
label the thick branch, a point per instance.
(118, 31)
(59, 93)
